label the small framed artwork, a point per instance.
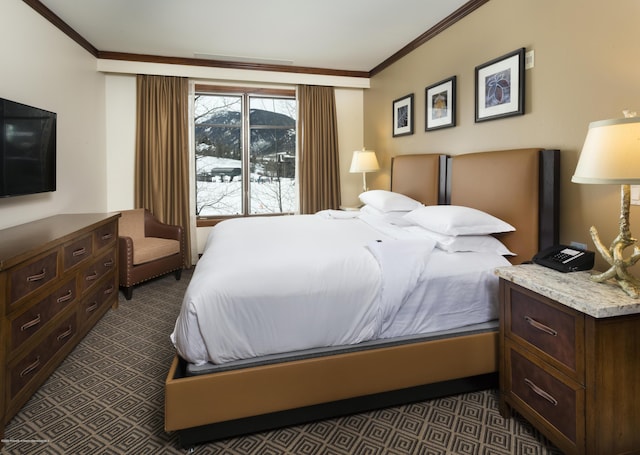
(500, 87)
(441, 105)
(403, 116)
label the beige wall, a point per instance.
(42, 67)
(586, 69)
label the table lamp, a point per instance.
(364, 161)
(611, 155)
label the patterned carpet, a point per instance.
(107, 397)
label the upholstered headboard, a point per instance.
(420, 177)
(519, 186)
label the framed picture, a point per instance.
(403, 116)
(440, 106)
(500, 87)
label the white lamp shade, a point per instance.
(611, 153)
(364, 161)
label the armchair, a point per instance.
(147, 248)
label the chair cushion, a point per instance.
(146, 249)
(131, 223)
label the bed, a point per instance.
(270, 390)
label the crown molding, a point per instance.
(447, 22)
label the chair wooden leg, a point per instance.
(178, 274)
(128, 292)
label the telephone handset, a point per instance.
(565, 258)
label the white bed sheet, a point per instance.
(279, 284)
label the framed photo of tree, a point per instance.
(440, 105)
(403, 116)
(500, 87)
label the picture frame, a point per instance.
(500, 87)
(403, 116)
(440, 105)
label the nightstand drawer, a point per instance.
(555, 331)
(559, 402)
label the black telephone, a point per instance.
(565, 258)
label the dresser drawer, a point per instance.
(96, 301)
(99, 268)
(28, 367)
(37, 316)
(78, 251)
(105, 235)
(555, 331)
(30, 277)
(559, 401)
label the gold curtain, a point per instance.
(162, 151)
(319, 161)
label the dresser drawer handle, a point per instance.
(28, 325)
(38, 277)
(537, 390)
(65, 334)
(109, 290)
(91, 277)
(543, 328)
(108, 264)
(79, 252)
(30, 368)
(92, 307)
(107, 236)
(65, 298)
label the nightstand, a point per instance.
(570, 359)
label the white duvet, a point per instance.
(278, 284)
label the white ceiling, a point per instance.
(354, 35)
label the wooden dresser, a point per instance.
(570, 359)
(58, 276)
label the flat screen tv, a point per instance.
(27, 149)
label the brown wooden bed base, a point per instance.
(519, 186)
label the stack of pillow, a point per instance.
(454, 228)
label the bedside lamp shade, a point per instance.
(611, 155)
(364, 161)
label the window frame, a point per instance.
(246, 93)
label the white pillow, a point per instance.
(395, 218)
(475, 243)
(388, 201)
(457, 220)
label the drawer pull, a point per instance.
(109, 290)
(108, 264)
(28, 325)
(65, 334)
(65, 298)
(543, 328)
(30, 368)
(91, 277)
(92, 307)
(537, 390)
(107, 236)
(38, 277)
(79, 252)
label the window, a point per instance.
(245, 152)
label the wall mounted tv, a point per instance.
(27, 149)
